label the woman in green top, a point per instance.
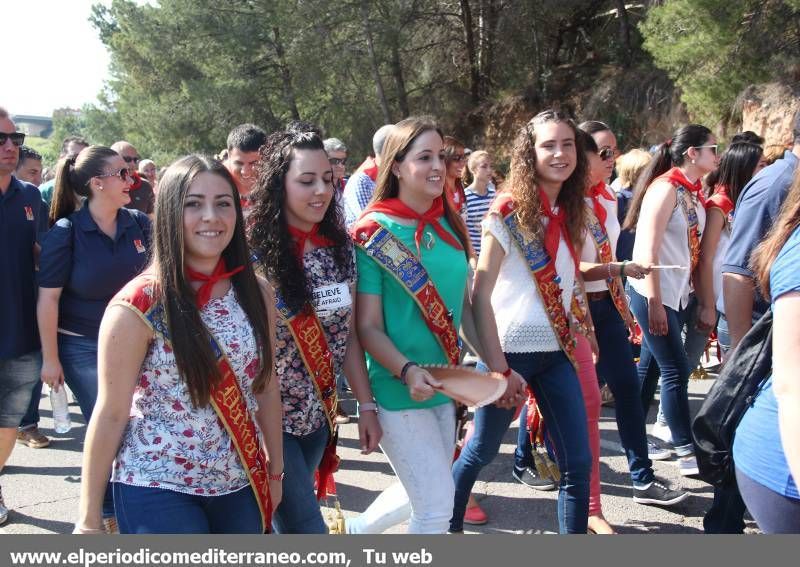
(418, 422)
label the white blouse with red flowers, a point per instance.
(170, 444)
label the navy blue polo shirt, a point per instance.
(90, 266)
(755, 212)
(21, 221)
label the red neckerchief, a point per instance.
(721, 200)
(555, 228)
(595, 193)
(676, 176)
(219, 273)
(397, 208)
(300, 238)
(137, 181)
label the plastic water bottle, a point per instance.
(60, 406)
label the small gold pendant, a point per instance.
(428, 241)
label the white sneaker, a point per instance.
(3, 509)
(662, 432)
(656, 453)
(688, 466)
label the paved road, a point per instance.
(41, 486)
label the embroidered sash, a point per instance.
(399, 261)
(226, 398)
(543, 270)
(603, 246)
(309, 336)
(693, 230)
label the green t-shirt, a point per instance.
(402, 318)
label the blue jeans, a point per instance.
(78, 357)
(17, 379)
(553, 380)
(147, 510)
(298, 512)
(31, 418)
(670, 354)
(723, 334)
(617, 368)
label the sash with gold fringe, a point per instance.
(226, 398)
(309, 336)
(693, 230)
(399, 261)
(543, 270)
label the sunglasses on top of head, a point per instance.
(123, 174)
(606, 154)
(712, 147)
(17, 138)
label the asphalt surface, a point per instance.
(41, 486)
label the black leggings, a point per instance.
(774, 513)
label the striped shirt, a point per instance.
(476, 209)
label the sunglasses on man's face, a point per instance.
(123, 174)
(337, 161)
(606, 154)
(132, 159)
(17, 138)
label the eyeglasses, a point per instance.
(606, 154)
(17, 138)
(132, 159)
(713, 148)
(123, 174)
(458, 157)
(337, 161)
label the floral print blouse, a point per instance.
(170, 444)
(303, 412)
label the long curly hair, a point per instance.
(269, 230)
(523, 187)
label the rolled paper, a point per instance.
(467, 385)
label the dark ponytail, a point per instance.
(669, 154)
(72, 179)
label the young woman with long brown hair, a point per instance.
(297, 234)
(411, 228)
(188, 407)
(668, 215)
(523, 294)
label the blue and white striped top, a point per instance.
(475, 211)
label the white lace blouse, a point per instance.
(522, 323)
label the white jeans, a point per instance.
(419, 444)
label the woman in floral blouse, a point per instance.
(298, 237)
(185, 376)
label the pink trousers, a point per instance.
(587, 376)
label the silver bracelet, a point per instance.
(368, 406)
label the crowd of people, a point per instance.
(208, 317)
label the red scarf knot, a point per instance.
(556, 226)
(220, 273)
(300, 237)
(677, 177)
(397, 208)
(595, 192)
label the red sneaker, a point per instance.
(475, 516)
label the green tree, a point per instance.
(712, 49)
